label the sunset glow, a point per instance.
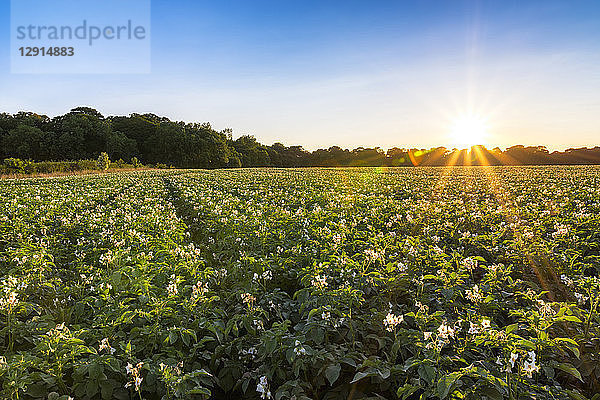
(469, 130)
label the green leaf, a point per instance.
(570, 369)
(281, 394)
(568, 340)
(527, 343)
(406, 390)
(492, 393)
(318, 335)
(106, 390)
(36, 390)
(576, 396)
(511, 328)
(95, 370)
(290, 356)
(445, 384)
(332, 373)
(91, 388)
(574, 347)
(121, 394)
(384, 373)
(270, 345)
(186, 338)
(427, 373)
(173, 337)
(359, 376)
(570, 318)
(349, 361)
(199, 390)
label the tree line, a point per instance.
(84, 133)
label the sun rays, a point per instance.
(506, 200)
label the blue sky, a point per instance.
(352, 73)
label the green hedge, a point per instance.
(18, 166)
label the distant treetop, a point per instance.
(84, 133)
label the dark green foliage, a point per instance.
(26, 142)
(15, 165)
(18, 166)
(84, 133)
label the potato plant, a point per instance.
(367, 283)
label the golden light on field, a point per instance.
(469, 130)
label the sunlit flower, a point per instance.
(199, 290)
(560, 230)
(320, 282)
(445, 332)
(105, 345)
(263, 388)
(475, 295)
(299, 350)
(469, 263)
(248, 299)
(529, 366)
(172, 286)
(581, 299)
(10, 301)
(267, 275)
(339, 322)
(513, 359)
(392, 320)
(136, 375)
(473, 329)
(424, 308)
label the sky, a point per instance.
(351, 73)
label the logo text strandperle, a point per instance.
(81, 32)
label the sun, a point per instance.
(469, 130)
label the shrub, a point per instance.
(103, 161)
(16, 165)
(85, 164)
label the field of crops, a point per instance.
(420, 283)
